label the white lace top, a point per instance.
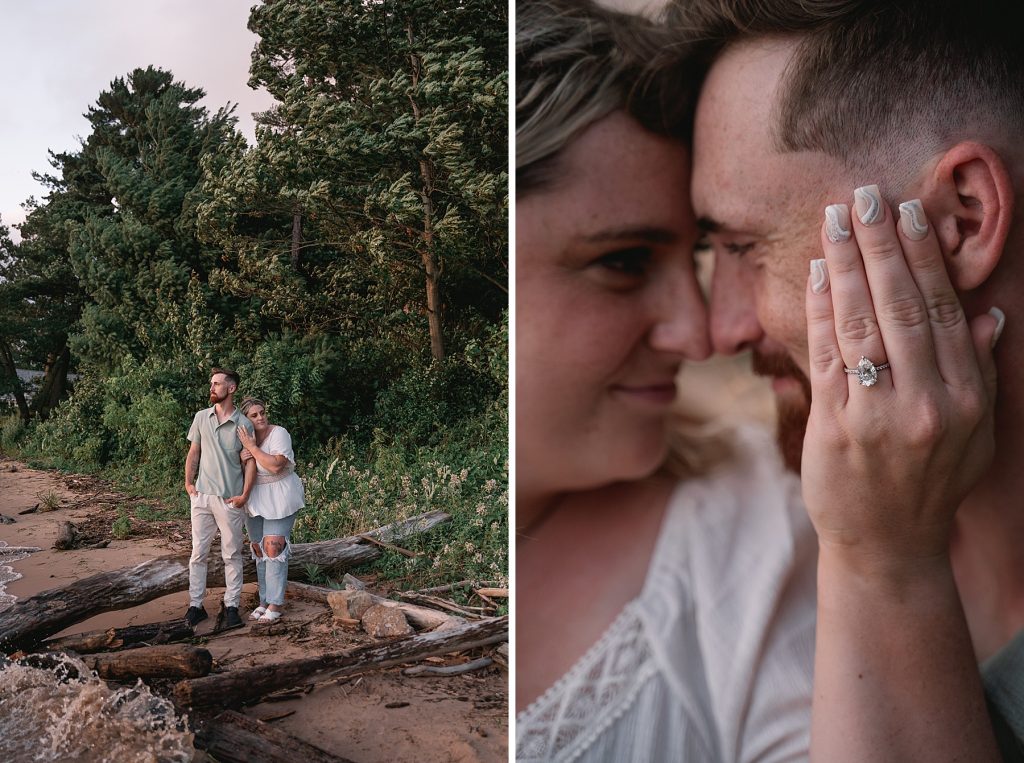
(713, 660)
(275, 496)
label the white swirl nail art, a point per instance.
(837, 223)
(868, 201)
(819, 276)
(912, 220)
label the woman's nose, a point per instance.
(681, 319)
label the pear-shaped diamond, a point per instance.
(867, 374)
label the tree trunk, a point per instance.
(234, 738)
(168, 661)
(55, 383)
(296, 237)
(422, 618)
(27, 622)
(11, 371)
(239, 687)
(432, 265)
(119, 638)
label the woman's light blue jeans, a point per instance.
(271, 571)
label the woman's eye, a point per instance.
(627, 262)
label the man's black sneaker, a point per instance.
(195, 615)
(231, 618)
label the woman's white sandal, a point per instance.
(270, 616)
(257, 613)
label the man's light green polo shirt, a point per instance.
(220, 468)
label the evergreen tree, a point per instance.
(375, 203)
(131, 237)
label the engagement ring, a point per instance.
(867, 372)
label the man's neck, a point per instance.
(989, 533)
(225, 408)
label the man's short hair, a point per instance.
(233, 377)
(868, 77)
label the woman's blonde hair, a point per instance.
(577, 62)
(249, 402)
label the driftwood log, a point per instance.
(234, 738)
(27, 622)
(166, 661)
(149, 634)
(421, 618)
(240, 687)
(448, 670)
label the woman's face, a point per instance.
(257, 416)
(607, 307)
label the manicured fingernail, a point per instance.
(868, 202)
(912, 220)
(819, 276)
(837, 223)
(1000, 317)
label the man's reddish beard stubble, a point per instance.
(792, 411)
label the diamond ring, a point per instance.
(866, 371)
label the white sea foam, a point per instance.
(8, 574)
(53, 708)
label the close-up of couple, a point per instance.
(851, 586)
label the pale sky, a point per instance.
(56, 56)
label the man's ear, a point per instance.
(971, 207)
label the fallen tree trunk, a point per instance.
(421, 618)
(240, 687)
(27, 622)
(234, 738)
(149, 634)
(169, 661)
(448, 670)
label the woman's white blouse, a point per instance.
(713, 660)
(280, 495)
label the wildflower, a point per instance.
(481, 509)
(490, 485)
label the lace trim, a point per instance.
(264, 479)
(568, 718)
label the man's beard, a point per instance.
(214, 399)
(792, 411)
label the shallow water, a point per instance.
(7, 573)
(52, 708)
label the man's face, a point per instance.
(220, 388)
(762, 212)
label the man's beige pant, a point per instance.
(209, 514)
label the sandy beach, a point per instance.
(458, 718)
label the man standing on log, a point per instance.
(218, 490)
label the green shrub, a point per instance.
(12, 431)
(122, 526)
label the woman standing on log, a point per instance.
(272, 506)
(665, 603)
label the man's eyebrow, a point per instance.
(708, 225)
(653, 235)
